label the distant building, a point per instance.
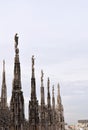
(82, 125)
(82, 121)
(41, 117)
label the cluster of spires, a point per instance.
(4, 88)
(17, 116)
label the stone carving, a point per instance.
(42, 75)
(33, 62)
(16, 40)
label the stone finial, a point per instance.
(33, 62)
(58, 86)
(53, 91)
(3, 71)
(48, 82)
(58, 96)
(3, 89)
(16, 40)
(42, 75)
(16, 43)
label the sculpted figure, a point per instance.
(42, 74)
(16, 40)
(33, 62)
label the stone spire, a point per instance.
(33, 103)
(58, 96)
(53, 98)
(33, 83)
(17, 99)
(49, 112)
(4, 89)
(53, 110)
(33, 69)
(17, 72)
(48, 94)
(60, 112)
(42, 90)
(42, 116)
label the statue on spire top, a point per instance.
(42, 74)
(33, 61)
(16, 40)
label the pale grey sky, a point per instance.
(56, 32)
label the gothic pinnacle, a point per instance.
(3, 71)
(53, 98)
(16, 43)
(53, 91)
(42, 75)
(17, 69)
(17, 98)
(42, 89)
(58, 97)
(48, 94)
(33, 62)
(58, 86)
(4, 89)
(48, 83)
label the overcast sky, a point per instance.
(56, 32)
